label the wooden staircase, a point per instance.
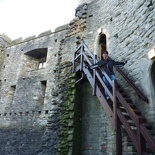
(122, 113)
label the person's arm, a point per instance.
(98, 64)
(117, 63)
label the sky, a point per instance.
(25, 18)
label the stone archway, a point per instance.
(100, 45)
(153, 75)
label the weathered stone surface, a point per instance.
(44, 100)
(4, 41)
(45, 33)
(30, 38)
(16, 41)
(61, 28)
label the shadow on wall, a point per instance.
(153, 75)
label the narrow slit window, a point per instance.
(43, 90)
(11, 93)
(43, 86)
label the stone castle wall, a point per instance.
(35, 102)
(33, 99)
(129, 29)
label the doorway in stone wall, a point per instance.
(153, 75)
(102, 45)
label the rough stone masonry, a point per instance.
(42, 111)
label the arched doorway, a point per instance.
(153, 75)
(102, 45)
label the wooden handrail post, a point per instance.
(117, 121)
(73, 69)
(94, 77)
(114, 98)
(140, 138)
(82, 57)
(118, 136)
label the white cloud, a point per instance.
(24, 18)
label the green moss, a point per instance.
(68, 132)
(66, 121)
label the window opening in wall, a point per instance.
(43, 89)
(36, 59)
(46, 111)
(43, 86)
(102, 45)
(11, 93)
(13, 88)
(42, 63)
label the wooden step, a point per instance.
(137, 112)
(132, 105)
(128, 99)
(124, 95)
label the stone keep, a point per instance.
(42, 111)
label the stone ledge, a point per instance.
(60, 28)
(45, 33)
(4, 40)
(30, 38)
(16, 41)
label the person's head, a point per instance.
(105, 54)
